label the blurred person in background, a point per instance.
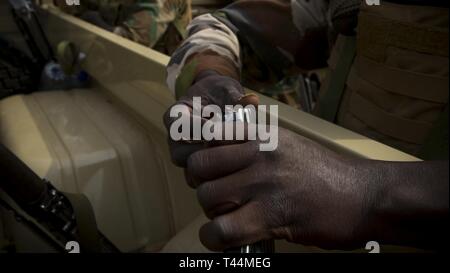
(159, 24)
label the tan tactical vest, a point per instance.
(397, 86)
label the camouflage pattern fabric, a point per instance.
(159, 24)
(227, 41)
(109, 8)
(206, 34)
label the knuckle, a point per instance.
(196, 162)
(176, 154)
(190, 179)
(224, 231)
(205, 193)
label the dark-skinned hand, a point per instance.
(301, 192)
(298, 192)
(213, 89)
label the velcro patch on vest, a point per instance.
(376, 34)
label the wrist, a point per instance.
(407, 203)
(373, 182)
(217, 82)
(205, 74)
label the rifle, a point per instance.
(24, 15)
(60, 218)
(19, 71)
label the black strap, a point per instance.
(329, 102)
(86, 224)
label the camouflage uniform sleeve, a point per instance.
(208, 38)
(147, 25)
(260, 38)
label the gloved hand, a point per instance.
(301, 192)
(212, 88)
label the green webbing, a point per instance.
(86, 223)
(329, 102)
(185, 79)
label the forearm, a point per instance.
(211, 45)
(240, 37)
(411, 203)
